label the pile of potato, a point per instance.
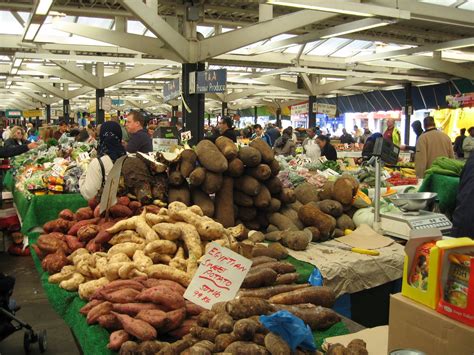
(320, 214)
(141, 309)
(231, 185)
(165, 245)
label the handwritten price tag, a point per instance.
(186, 136)
(218, 277)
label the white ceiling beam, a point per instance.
(337, 85)
(17, 17)
(441, 66)
(78, 92)
(49, 88)
(139, 43)
(348, 7)
(45, 100)
(308, 83)
(60, 73)
(92, 80)
(245, 93)
(351, 27)
(226, 42)
(456, 44)
(120, 77)
(158, 26)
(288, 85)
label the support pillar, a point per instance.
(66, 110)
(255, 110)
(99, 112)
(48, 114)
(174, 115)
(408, 111)
(209, 119)
(311, 113)
(278, 117)
(194, 120)
(225, 110)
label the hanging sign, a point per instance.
(13, 113)
(105, 103)
(118, 102)
(465, 100)
(326, 109)
(33, 113)
(300, 109)
(171, 90)
(210, 81)
(218, 278)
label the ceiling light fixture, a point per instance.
(43, 6)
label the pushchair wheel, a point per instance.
(28, 338)
(43, 341)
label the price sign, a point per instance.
(186, 136)
(218, 277)
(83, 156)
(58, 171)
(385, 175)
(323, 159)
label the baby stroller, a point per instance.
(9, 323)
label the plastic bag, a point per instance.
(315, 279)
(290, 328)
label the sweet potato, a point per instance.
(276, 345)
(244, 348)
(289, 278)
(49, 244)
(136, 327)
(120, 211)
(183, 329)
(282, 222)
(317, 295)
(75, 228)
(227, 147)
(87, 232)
(157, 318)
(97, 311)
(280, 267)
(222, 322)
(121, 284)
(135, 206)
(132, 309)
(245, 329)
(88, 306)
(188, 162)
(66, 214)
(222, 341)
(248, 185)
(57, 225)
(204, 333)
(197, 177)
(270, 291)
(84, 213)
(73, 243)
(162, 295)
(53, 263)
(317, 317)
(93, 203)
(224, 205)
(274, 185)
(109, 322)
(251, 157)
(203, 200)
(246, 307)
(193, 309)
(175, 319)
(265, 150)
(236, 168)
(174, 286)
(261, 250)
(261, 259)
(211, 157)
(126, 295)
(205, 317)
(116, 339)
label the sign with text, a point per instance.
(210, 81)
(13, 114)
(33, 113)
(327, 109)
(300, 109)
(186, 136)
(218, 277)
(171, 90)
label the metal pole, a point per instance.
(377, 192)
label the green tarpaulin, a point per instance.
(445, 186)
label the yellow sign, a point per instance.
(33, 113)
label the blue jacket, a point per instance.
(140, 142)
(265, 137)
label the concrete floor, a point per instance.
(35, 310)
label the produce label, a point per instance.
(218, 277)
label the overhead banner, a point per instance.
(300, 109)
(465, 100)
(171, 90)
(327, 109)
(13, 113)
(118, 102)
(33, 113)
(211, 81)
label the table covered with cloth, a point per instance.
(93, 339)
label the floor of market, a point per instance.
(35, 310)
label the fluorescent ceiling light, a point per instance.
(43, 7)
(32, 31)
(365, 24)
(17, 62)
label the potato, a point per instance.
(188, 161)
(317, 317)
(236, 168)
(317, 295)
(280, 250)
(245, 348)
(181, 194)
(260, 172)
(197, 176)
(345, 222)
(276, 345)
(274, 185)
(251, 157)
(298, 240)
(274, 167)
(287, 196)
(343, 191)
(330, 207)
(282, 222)
(326, 191)
(212, 182)
(222, 322)
(241, 199)
(245, 329)
(203, 200)
(246, 307)
(248, 185)
(211, 157)
(306, 193)
(227, 147)
(259, 278)
(312, 216)
(275, 205)
(265, 150)
(222, 341)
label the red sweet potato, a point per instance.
(193, 309)
(97, 311)
(57, 235)
(66, 214)
(174, 286)
(132, 309)
(155, 317)
(109, 322)
(135, 206)
(136, 327)
(93, 247)
(176, 318)
(183, 329)
(73, 243)
(118, 211)
(84, 310)
(162, 295)
(126, 295)
(57, 225)
(93, 203)
(37, 250)
(84, 213)
(74, 229)
(123, 200)
(116, 339)
(152, 209)
(116, 285)
(97, 211)
(87, 232)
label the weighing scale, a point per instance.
(399, 224)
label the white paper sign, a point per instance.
(186, 136)
(218, 277)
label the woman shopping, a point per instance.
(327, 149)
(285, 145)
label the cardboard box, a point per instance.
(430, 296)
(415, 326)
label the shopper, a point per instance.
(226, 129)
(365, 136)
(285, 145)
(17, 137)
(346, 138)
(61, 130)
(274, 133)
(468, 143)
(392, 134)
(458, 142)
(121, 121)
(357, 134)
(418, 129)
(139, 140)
(463, 223)
(431, 145)
(327, 149)
(110, 149)
(310, 146)
(259, 133)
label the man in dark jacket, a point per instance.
(274, 133)
(139, 140)
(458, 144)
(11, 151)
(463, 223)
(226, 129)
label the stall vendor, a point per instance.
(310, 145)
(327, 149)
(110, 149)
